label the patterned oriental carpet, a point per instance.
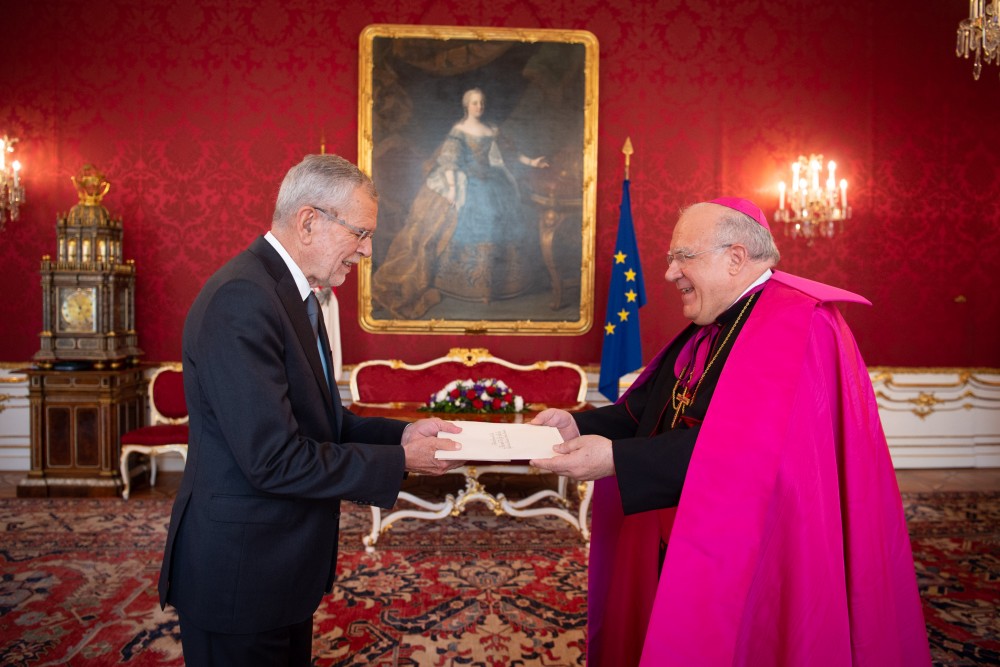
(78, 587)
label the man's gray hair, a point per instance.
(735, 227)
(320, 180)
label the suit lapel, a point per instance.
(295, 309)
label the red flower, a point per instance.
(455, 393)
(477, 404)
(497, 404)
(470, 394)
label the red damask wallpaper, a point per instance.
(194, 111)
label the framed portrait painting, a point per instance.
(482, 144)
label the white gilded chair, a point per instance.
(168, 428)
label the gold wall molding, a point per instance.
(926, 391)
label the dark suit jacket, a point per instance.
(252, 543)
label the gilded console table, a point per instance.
(474, 490)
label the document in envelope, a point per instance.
(490, 441)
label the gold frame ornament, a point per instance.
(482, 143)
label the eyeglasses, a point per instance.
(681, 257)
(358, 232)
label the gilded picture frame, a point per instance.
(482, 143)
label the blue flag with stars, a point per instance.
(622, 350)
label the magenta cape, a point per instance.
(789, 545)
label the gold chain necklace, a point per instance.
(680, 401)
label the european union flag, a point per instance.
(622, 350)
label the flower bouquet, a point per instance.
(482, 396)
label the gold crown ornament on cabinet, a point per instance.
(88, 290)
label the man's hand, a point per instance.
(559, 419)
(583, 458)
(420, 441)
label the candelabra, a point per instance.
(980, 33)
(11, 190)
(809, 210)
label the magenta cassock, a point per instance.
(789, 544)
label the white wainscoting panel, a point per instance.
(15, 420)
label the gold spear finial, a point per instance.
(627, 149)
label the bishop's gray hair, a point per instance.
(735, 227)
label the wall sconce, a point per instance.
(11, 190)
(809, 210)
(980, 33)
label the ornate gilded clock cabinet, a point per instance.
(86, 388)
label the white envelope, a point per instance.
(495, 441)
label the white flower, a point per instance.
(518, 404)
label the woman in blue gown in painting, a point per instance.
(467, 235)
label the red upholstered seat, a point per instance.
(161, 434)
(551, 383)
(168, 430)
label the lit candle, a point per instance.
(843, 195)
(17, 167)
(814, 173)
(781, 195)
(802, 193)
(795, 177)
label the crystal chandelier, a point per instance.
(809, 210)
(11, 190)
(980, 33)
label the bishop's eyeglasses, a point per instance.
(680, 256)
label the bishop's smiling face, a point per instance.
(706, 280)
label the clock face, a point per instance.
(77, 309)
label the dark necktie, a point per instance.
(313, 309)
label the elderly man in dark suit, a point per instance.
(252, 546)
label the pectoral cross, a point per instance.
(682, 400)
(679, 401)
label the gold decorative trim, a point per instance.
(914, 370)
(926, 402)
(368, 76)
(887, 375)
(469, 357)
(13, 365)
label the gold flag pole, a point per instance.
(627, 149)
(322, 142)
